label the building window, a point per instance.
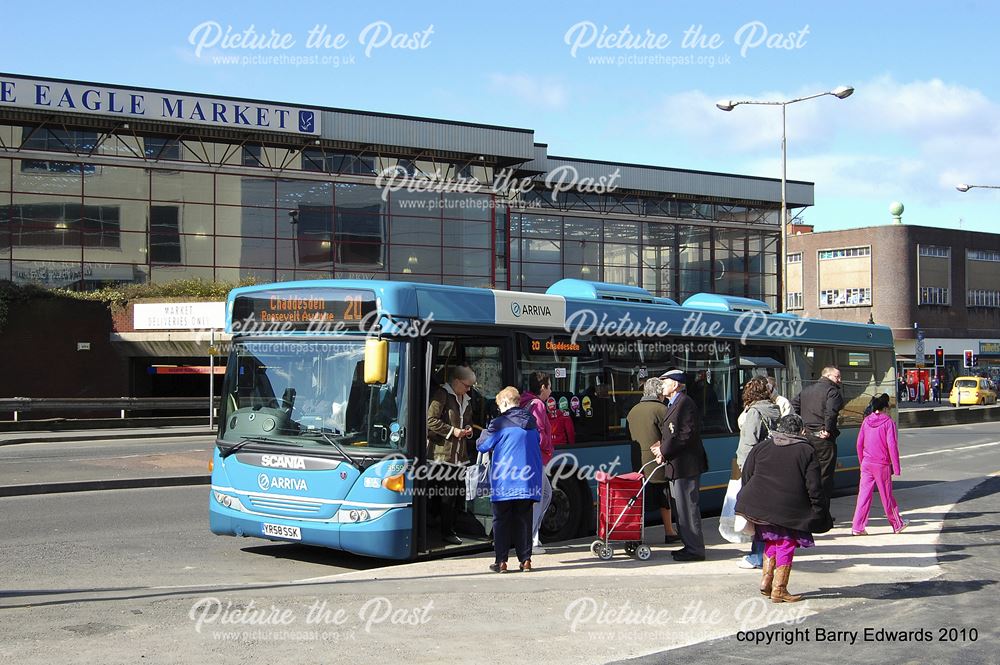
(795, 258)
(845, 297)
(101, 226)
(984, 255)
(65, 225)
(164, 234)
(983, 298)
(315, 159)
(847, 252)
(159, 147)
(359, 238)
(45, 166)
(253, 155)
(794, 300)
(59, 140)
(934, 295)
(934, 250)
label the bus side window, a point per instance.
(580, 384)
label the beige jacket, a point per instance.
(444, 415)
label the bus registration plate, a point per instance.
(282, 531)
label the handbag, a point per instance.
(477, 480)
(728, 526)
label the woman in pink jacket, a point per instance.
(539, 390)
(878, 453)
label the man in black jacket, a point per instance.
(819, 405)
(681, 447)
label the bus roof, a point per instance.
(594, 308)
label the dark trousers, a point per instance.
(452, 503)
(686, 492)
(826, 455)
(512, 528)
(448, 498)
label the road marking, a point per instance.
(951, 450)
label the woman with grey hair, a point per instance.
(515, 477)
(449, 424)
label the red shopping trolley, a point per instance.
(621, 509)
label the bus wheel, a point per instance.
(562, 519)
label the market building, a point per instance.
(107, 184)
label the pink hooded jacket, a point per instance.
(878, 442)
(534, 404)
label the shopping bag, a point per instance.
(747, 528)
(477, 480)
(728, 528)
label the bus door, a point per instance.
(445, 512)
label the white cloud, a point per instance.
(908, 140)
(544, 93)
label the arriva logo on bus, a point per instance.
(266, 482)
(517, 309)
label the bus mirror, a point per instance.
(376, 361)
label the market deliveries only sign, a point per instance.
(159, 106)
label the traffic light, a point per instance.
(939, 357)
(970, 359)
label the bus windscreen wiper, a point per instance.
(244, 441)
(333, 442)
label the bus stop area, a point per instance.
(574, 608)
(586, 610)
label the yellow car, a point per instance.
(973, 390)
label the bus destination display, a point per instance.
(317, 309)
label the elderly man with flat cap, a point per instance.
(681, 447)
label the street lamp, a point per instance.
(840, 92)
(964, 188)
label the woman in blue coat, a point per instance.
(515, 477)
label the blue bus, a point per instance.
(323, 426)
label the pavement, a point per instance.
(14, 438)
(573, 609)
(935, 621)
(103, 459)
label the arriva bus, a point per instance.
(323, 424)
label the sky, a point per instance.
(623, 81)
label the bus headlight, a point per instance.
(357, 515)
(228, 501)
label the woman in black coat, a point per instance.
(782, 496)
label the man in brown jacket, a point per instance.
(644, 422)
(449, 424)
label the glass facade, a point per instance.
(163, 211)
(672, 260)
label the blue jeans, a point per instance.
(756, 556)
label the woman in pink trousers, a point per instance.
(878, 453)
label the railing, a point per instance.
(123, 405)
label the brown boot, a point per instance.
(779, 591)
(767, 577)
